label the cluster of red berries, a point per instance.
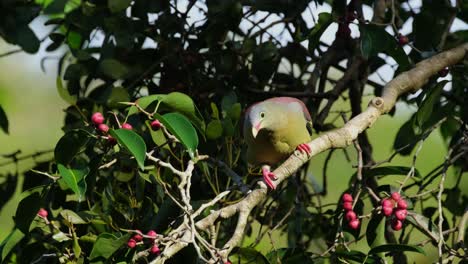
(350, 216)
(98, 120)
(395, 206)
(138, 239)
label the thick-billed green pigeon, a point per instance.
(273, 129)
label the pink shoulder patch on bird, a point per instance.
(288, 100)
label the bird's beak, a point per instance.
(256, 128)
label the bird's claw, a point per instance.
(268, 176)
(304, 148)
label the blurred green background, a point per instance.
(35, 111)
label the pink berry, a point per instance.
(155, 125)
(350, 216)
(354, 224)
(131, 243)
(348, 206)
(97, 118)
(444, 72)
(396, 196)
(127, 126)
(402, 204)
(112, 141)
(103, 128)
(402, 40)
(138, 237)
(387, 211)
(155, 249)
(227, 262)
(397, 224)
(401, 214)
(387, 203)
(152, 234)
(347, 197)
(42, 213)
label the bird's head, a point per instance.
(262, 116)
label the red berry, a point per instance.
(97, 118)
(348, 206)
(387, 203)
(397, 224)
(343, 31)
(350, 17)
(401, 214)
(111, 140)
(402, 40)
(354, 224)
(155, 249)
(444, 72)
(152, 234)
(396, 196)
(138, 237)
(350, 216)
(227, 262)
(387, 211)
(347, 197)
(402, 204)
(127, 126)
(103, 128)
(42, 213)
(131, 243)
(155, 125)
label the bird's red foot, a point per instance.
(267, 176)
(304, 148)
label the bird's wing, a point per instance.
(292, 100)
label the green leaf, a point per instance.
(27, 211)
(106, 245)
(425, 110)
(391, 170)
(60, 237)
(3, 120)
(247, 255)
(374, 40)
(289, 256)
(324, 20)
(63, 92)
(405, 137)
(182, 129)
(144, 102)
(375, 232)
(27, 39)
(118, 5)
(74, 179)
(265, 60)
(10, 242)
(355, 256)
(113, 69)
(69, 145)
(182, 103)
(214, 129)
(72, 217)
(133, 143)
(118, 94)
(396, 248)
(423, 223)
(74, 40)
(173, 102)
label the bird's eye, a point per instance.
(262, 114)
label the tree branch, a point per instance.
(409, 81)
